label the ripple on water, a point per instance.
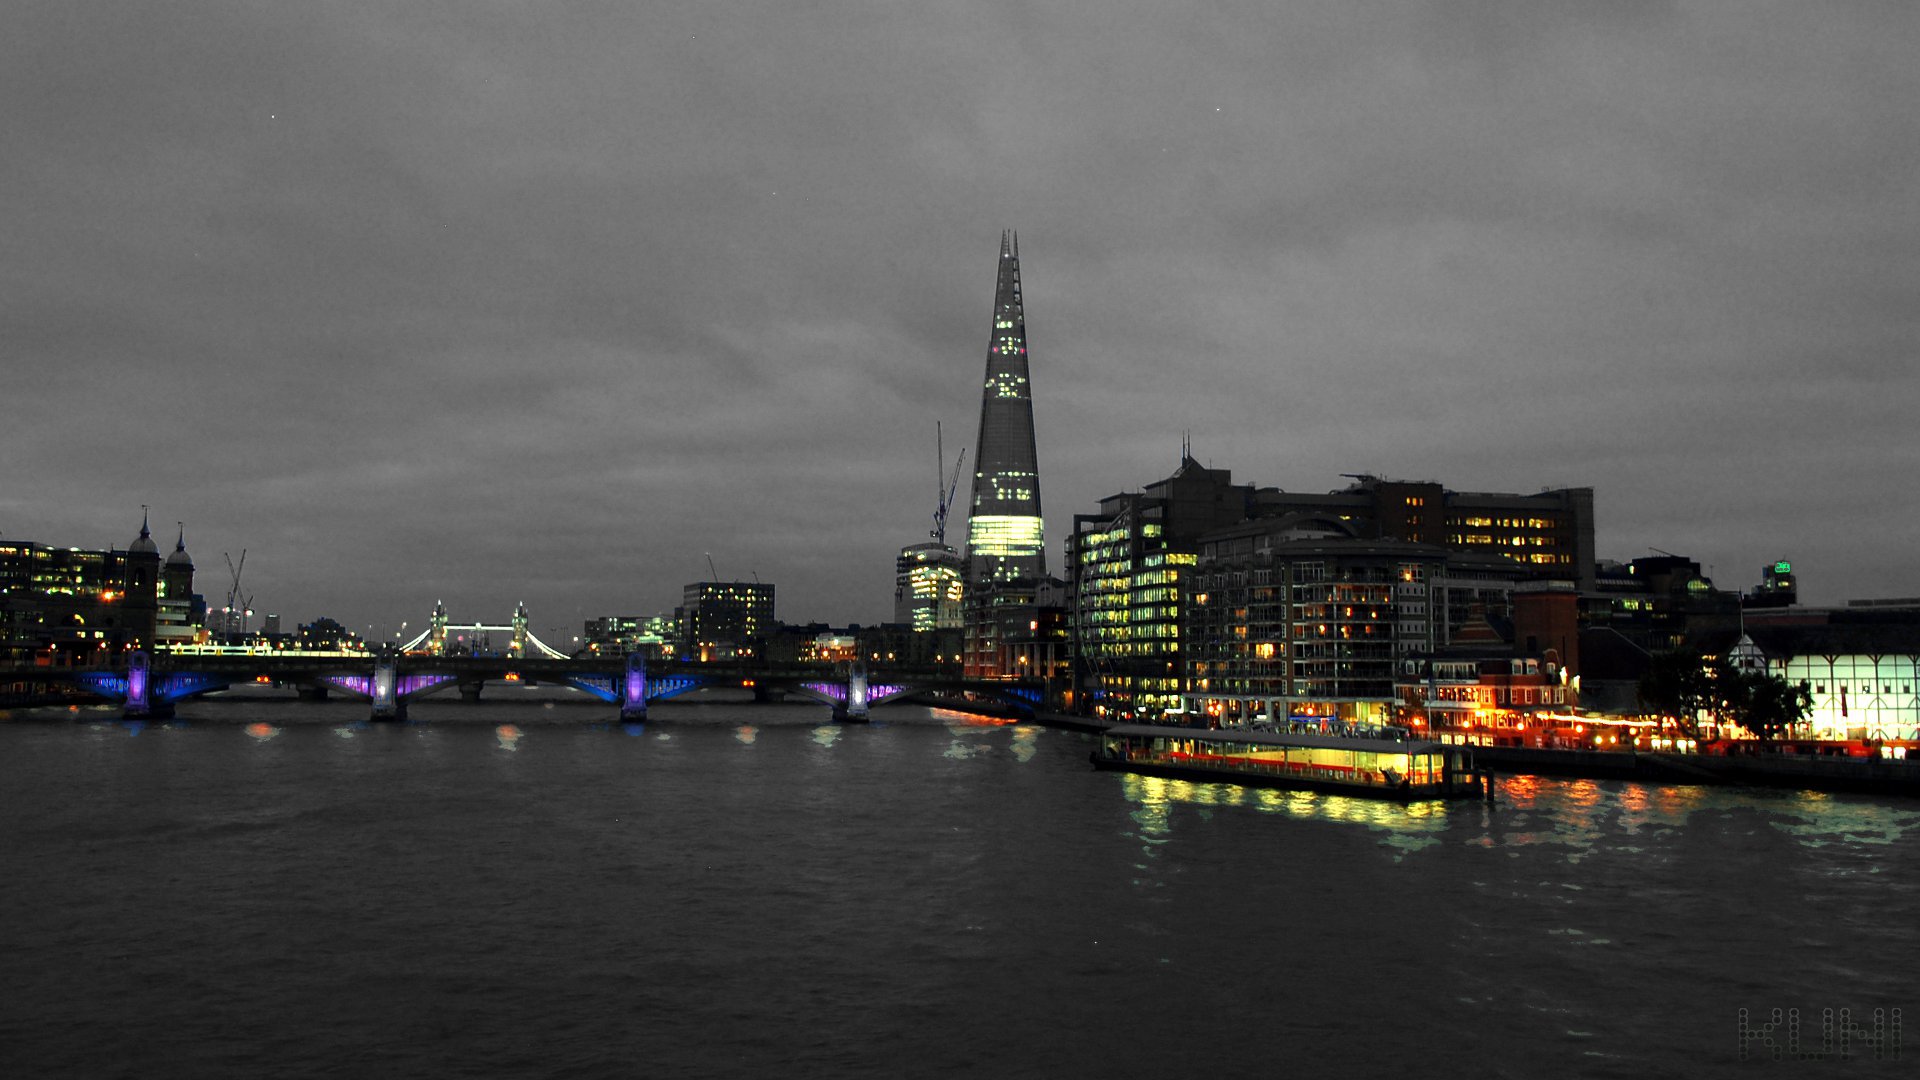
(416, 900)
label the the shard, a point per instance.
(1005, 535)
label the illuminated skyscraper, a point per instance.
(927, 588)
(1006, 546)
(1005, 541)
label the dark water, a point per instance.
(523, 889)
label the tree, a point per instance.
(1679, 684)
(1768, 705)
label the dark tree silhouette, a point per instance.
(1685, 684)
(1768, 705)
(1677, 683)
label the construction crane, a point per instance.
(237, 604)
(939, 532)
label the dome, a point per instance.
(143, 544)
(180, 558)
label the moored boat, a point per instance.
(1384, 768)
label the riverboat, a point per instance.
(1385, 768)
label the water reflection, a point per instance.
(826, 734)
(746, 733)
(1153, 814)
(1816, 819)
(1023, 741)
(956, 719)
(262, 731)
(967, 732)
(1405, 827)
(508, 736)
(635, 730)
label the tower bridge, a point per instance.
(443, 637)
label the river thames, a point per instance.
(522, 887)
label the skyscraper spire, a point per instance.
(1005, 533)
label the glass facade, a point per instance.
(1126, 613)
(1005, 531)
(929, 585)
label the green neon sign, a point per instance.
(1783, 567)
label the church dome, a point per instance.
(143, 544)
(180, 558)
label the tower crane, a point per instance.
(237, 604)
(939, 532)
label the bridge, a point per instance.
(148, 687)
(442, 637)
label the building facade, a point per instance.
(1126, 566)
(619, 635)
(66, 606)
(1860, 663)
(1280, 626)
(724, 620)
(1549, 533)
(929, 586)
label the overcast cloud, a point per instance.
(490, 302)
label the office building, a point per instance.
(1286, 619)
(1005, 533)
(929, 586)
(1006, 563)
(64, 606)
(1550, 534)
(724, 620)
(1125, 567)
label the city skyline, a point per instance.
(418, 305)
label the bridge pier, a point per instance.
(855, 709)
(633, 689)
(470, 691)
(140, 703)
(316, 692)
(387, 704)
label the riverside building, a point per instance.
(724, 620)
(1550, 534)
(1127, 565)
(1283, 626)
(62, 606)
(929, 586)
(1198, 593)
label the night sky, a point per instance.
(491, 302)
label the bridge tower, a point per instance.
(437, 630)
(519, 646)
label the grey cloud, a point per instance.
(502, 302)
